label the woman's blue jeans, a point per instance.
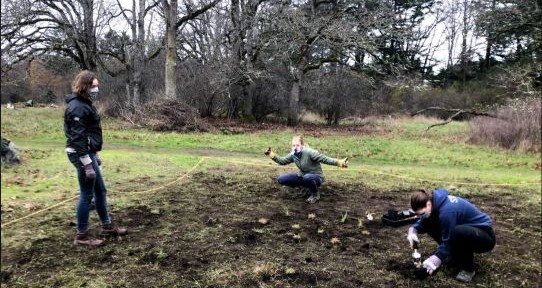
(89, 189)
(311, 181)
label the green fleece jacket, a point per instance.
(308, 162)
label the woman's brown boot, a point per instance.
(84, 239)
(113, 230)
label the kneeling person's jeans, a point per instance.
(465, 240)
(311, 181)
(89, 189)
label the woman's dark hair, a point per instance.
(419, 198)
(82, 82)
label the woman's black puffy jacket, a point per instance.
(82, 125)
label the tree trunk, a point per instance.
(90, 36)
(139, 61)
(241, 17)
(293, 104)
(247, 100)
(233, 101)
(487, 60)
(237, 54)
(127, 90)
(464, 44)
(171, 48)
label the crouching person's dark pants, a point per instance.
(311, 181)
(465, 240)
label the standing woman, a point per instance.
(308, 161)
(84, 139)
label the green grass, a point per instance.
(403, 154)
(147, 176)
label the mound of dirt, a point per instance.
(172, 115)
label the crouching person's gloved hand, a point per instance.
(98, 160)
(343, 163)
(431, 264)
(90, 174)
(412, 237)
(270, 153)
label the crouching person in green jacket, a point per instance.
(308, 161)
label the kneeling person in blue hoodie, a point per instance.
(458, 226)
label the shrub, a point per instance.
(162, 115)
(517, 126)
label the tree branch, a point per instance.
(196, 13)
(457, 113)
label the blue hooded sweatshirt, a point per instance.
(451, 211)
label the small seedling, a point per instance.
(360, 223)
(296, 226)
(161, 255)
(296, 237)
(320, 230)
(286, 212)
(311, 216)
(343, 219)
(335, 241)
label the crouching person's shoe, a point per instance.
(465, 276)
(83, 239)
(313, 198)
(113, 230)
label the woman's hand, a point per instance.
(343, 163)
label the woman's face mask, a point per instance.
(93, 93)
(426, 211)
(297, 147)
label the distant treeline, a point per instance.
(255, 59)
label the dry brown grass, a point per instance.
(516, 128)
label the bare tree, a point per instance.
(467, 27)
(173, 22)
(203, 57)
(452, 29)
(132, 55)
(35, 27)
(308, 35)
(244, 53)
(298, 31)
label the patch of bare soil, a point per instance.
(209, 233)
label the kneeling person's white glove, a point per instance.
(412, 236)
(431, 264)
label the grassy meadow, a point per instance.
(183, 193)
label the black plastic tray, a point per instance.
(395, 218)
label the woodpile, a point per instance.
(171, 115)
